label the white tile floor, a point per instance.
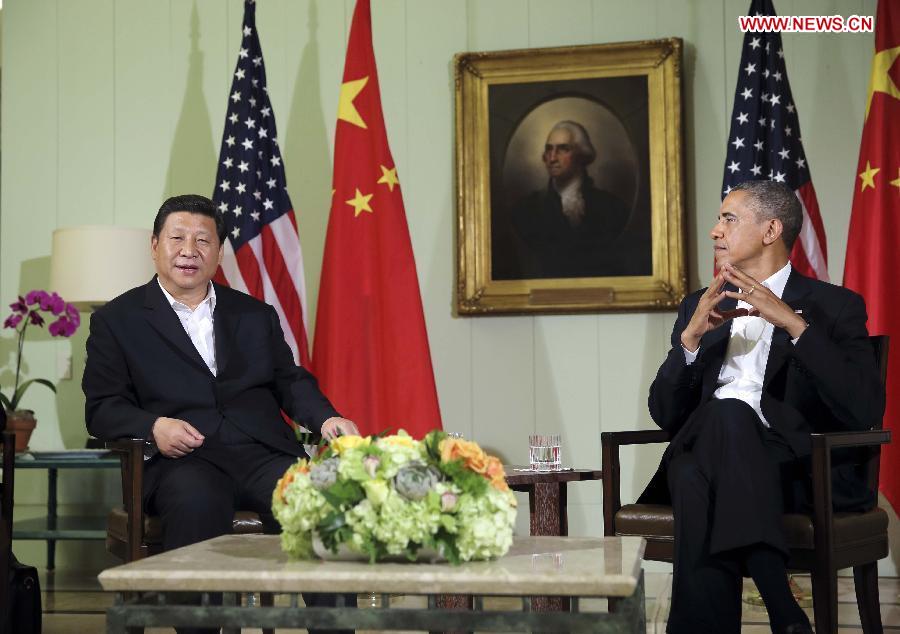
(74, 603)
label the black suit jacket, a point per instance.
(827, 381)
(141, 365)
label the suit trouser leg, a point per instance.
(725, 481)
(195, 501)
(706, 591)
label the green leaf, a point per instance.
(5, 402)
(333, 529)
(21, 391)
(468, 481)
(344, 493)
(432, 444)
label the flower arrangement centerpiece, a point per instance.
(26, 311)
(383, 497)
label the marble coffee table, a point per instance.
(240, 565)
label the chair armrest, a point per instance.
(822, 444)
(835, 439)
(610, 442)
(131, 458)
(637, 437)
(125, 445)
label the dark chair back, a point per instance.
(872, 455)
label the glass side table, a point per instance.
(51, 527)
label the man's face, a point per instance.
(738, 236)
(560, 157)
(187, 252)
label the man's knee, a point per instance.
(194, 490)
(685, 475)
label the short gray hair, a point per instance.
(581, 141)
(773, 200)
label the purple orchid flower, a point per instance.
(19, 306)
(35, 318)
(12, 321)
(37, 297)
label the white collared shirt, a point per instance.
(198, 324)
(744, 366)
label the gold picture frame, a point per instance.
(528, 239)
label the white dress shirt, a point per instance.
(198, 324)
(744, 366)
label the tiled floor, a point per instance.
(74, 604)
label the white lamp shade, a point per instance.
(91, 265)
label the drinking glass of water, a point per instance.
(544, 452)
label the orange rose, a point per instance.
(495, 473)
(283, 483)
(467, 451)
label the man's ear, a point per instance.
(773, 231)
(154, 243)
(221, 253)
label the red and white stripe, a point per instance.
(270, 268)
(810, 252)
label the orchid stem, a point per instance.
(13, 401)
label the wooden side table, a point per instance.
(547, 502)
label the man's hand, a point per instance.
(175, 438)
(337, 426)
(765, 303)
(707, 316)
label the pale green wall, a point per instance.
(108, 107)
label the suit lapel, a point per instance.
(225, 322)
(163, 319)
(794, 295)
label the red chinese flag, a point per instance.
(873, 246)
(371, 349)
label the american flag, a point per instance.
(765, 143)
(262, 250)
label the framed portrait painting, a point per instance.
(569, 179)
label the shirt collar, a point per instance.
(778, 280)
(175, 304)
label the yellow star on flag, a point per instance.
(880, 80)
(896, 183)
(389, 177)
(868, 177)
(360, 203)
(346, 110)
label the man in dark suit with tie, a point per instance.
(760, 359)
(202, 372)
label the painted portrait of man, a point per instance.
(570, 194)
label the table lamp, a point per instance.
(91, 265)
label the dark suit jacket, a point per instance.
(828, 381)
(560, 250)
(141, 365)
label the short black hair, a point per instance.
(191, 203)
(770, 200)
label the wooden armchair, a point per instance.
(821, 543)
(130, 533)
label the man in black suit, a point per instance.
(202, 372)
(760, 359)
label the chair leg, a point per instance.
(865, 579)
(824, 588)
